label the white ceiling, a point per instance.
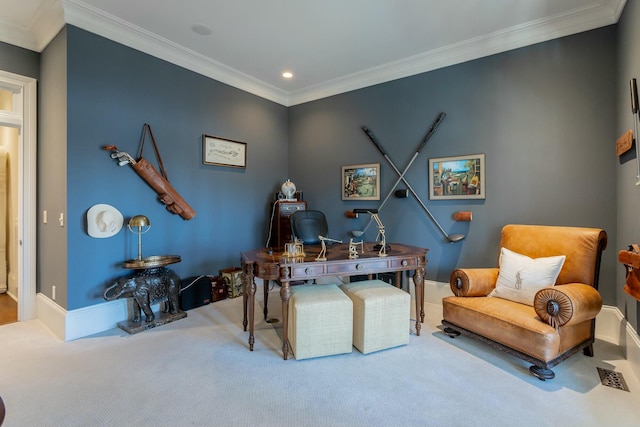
(331, 46)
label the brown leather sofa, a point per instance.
(561, 320)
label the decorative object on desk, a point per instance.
(223, 152)
(140, 223)
(294, 250)
(463, 216)
(458, 177)
(323, 252)
(354, 214)
(103, 221)
(147, 287)
(361, 182)
(353, 248)
(381, 239)
(288, 189)
(232, 278)
(158, 181)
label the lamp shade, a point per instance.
(139, 221)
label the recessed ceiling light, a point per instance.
(202, 29)
(287, 75)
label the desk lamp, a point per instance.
(139, 222)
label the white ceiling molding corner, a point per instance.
(111, 27)
(48, 22)
(35, 35)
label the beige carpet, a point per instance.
(198, 371)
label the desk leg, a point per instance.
(285, 294)
(249, 296)
(418, 280)
(265, 287)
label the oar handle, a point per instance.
(634, 96)
(426, 138)
(431, 131)
(373, 139)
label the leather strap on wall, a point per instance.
(631, 260)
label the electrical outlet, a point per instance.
(53, 293)
(61, 220)
(44, 217)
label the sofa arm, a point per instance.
(567, 304)
(473, 282)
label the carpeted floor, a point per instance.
(198, 371)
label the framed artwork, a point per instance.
(223, 152)
(460, 177)
(361, 182)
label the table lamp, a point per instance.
(139, 222)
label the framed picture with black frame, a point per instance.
(223, 152)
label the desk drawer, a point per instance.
(289, 208)
(271, 271)
(362, 267)
(309, 270)
(407, 263)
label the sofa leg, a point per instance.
(451, 332)
(542, 373)
(588, 350)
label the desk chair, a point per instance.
(306, 226)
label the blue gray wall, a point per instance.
(544, 116)
(628, 194)
(112, 91)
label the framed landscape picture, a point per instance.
(460, 177)
(361, 182)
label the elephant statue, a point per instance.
(147, 287)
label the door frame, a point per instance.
(24, 118)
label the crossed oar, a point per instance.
(450, 238)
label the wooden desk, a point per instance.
(273, 266)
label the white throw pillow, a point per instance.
(521, 277)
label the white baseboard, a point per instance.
(611, 326)
(74, 324)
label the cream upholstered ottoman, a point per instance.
(381, 315)
(320, 321)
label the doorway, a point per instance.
(18, 139)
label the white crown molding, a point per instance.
(113, 28)
(52, 16)
(519, 36)
(46, 23)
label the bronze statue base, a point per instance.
(161, 319)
